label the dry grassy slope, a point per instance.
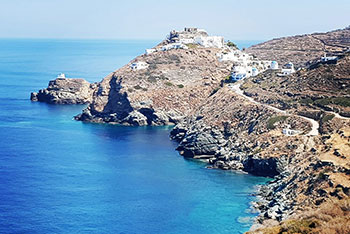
(333, 217)
(176, 80)
(303, 48)
(325, 87)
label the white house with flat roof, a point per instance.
(138, 65)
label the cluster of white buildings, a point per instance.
(180, 40)
(246, 65)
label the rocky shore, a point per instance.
(186, 88)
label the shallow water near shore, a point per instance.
(58, 175)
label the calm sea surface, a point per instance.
(58, 175)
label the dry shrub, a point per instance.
(330, 218)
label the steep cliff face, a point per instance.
(302, 48)
(65, 91)
(171, 87)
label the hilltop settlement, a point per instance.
(279, 109)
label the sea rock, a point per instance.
(65, 91)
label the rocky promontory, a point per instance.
(65, 91)
(293, 127)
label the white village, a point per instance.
(244, 65)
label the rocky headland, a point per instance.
(293, 128)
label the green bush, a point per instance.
(168, 83)
(192, 46)
(306, 101)
(231, 44)
(271, 122)
(137, 87)
(180, 86)
(327, 118)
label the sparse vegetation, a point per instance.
(137, 87)
(330, 218)
(306, 101)
(327, 117)
(192, 46)
(152, 66)
(152, 79)
(341, 101)
(175, 58)
(168, 83)
(273, 120)
(232, 45)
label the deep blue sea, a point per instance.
(58, 175)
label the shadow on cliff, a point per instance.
(118, 102)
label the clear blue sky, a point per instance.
(151, 19)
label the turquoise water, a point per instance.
(58, 175)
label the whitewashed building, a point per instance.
(329, 58)
(61, 76)
(186, 40)
(212, 41)
(239, 73)
(255, 71)
(138, 65)
(172, 46)
(150, 51)
(274, 65)
(287, 70)
(290, 132)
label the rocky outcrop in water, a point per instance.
(65, 91)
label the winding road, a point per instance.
(315, 125)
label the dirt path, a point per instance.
(315, 125)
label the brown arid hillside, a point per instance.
(175, 82)
(245, 131)
(302, 48)
(321, 91)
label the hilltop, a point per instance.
(302, 49)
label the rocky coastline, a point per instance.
(186, 88)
